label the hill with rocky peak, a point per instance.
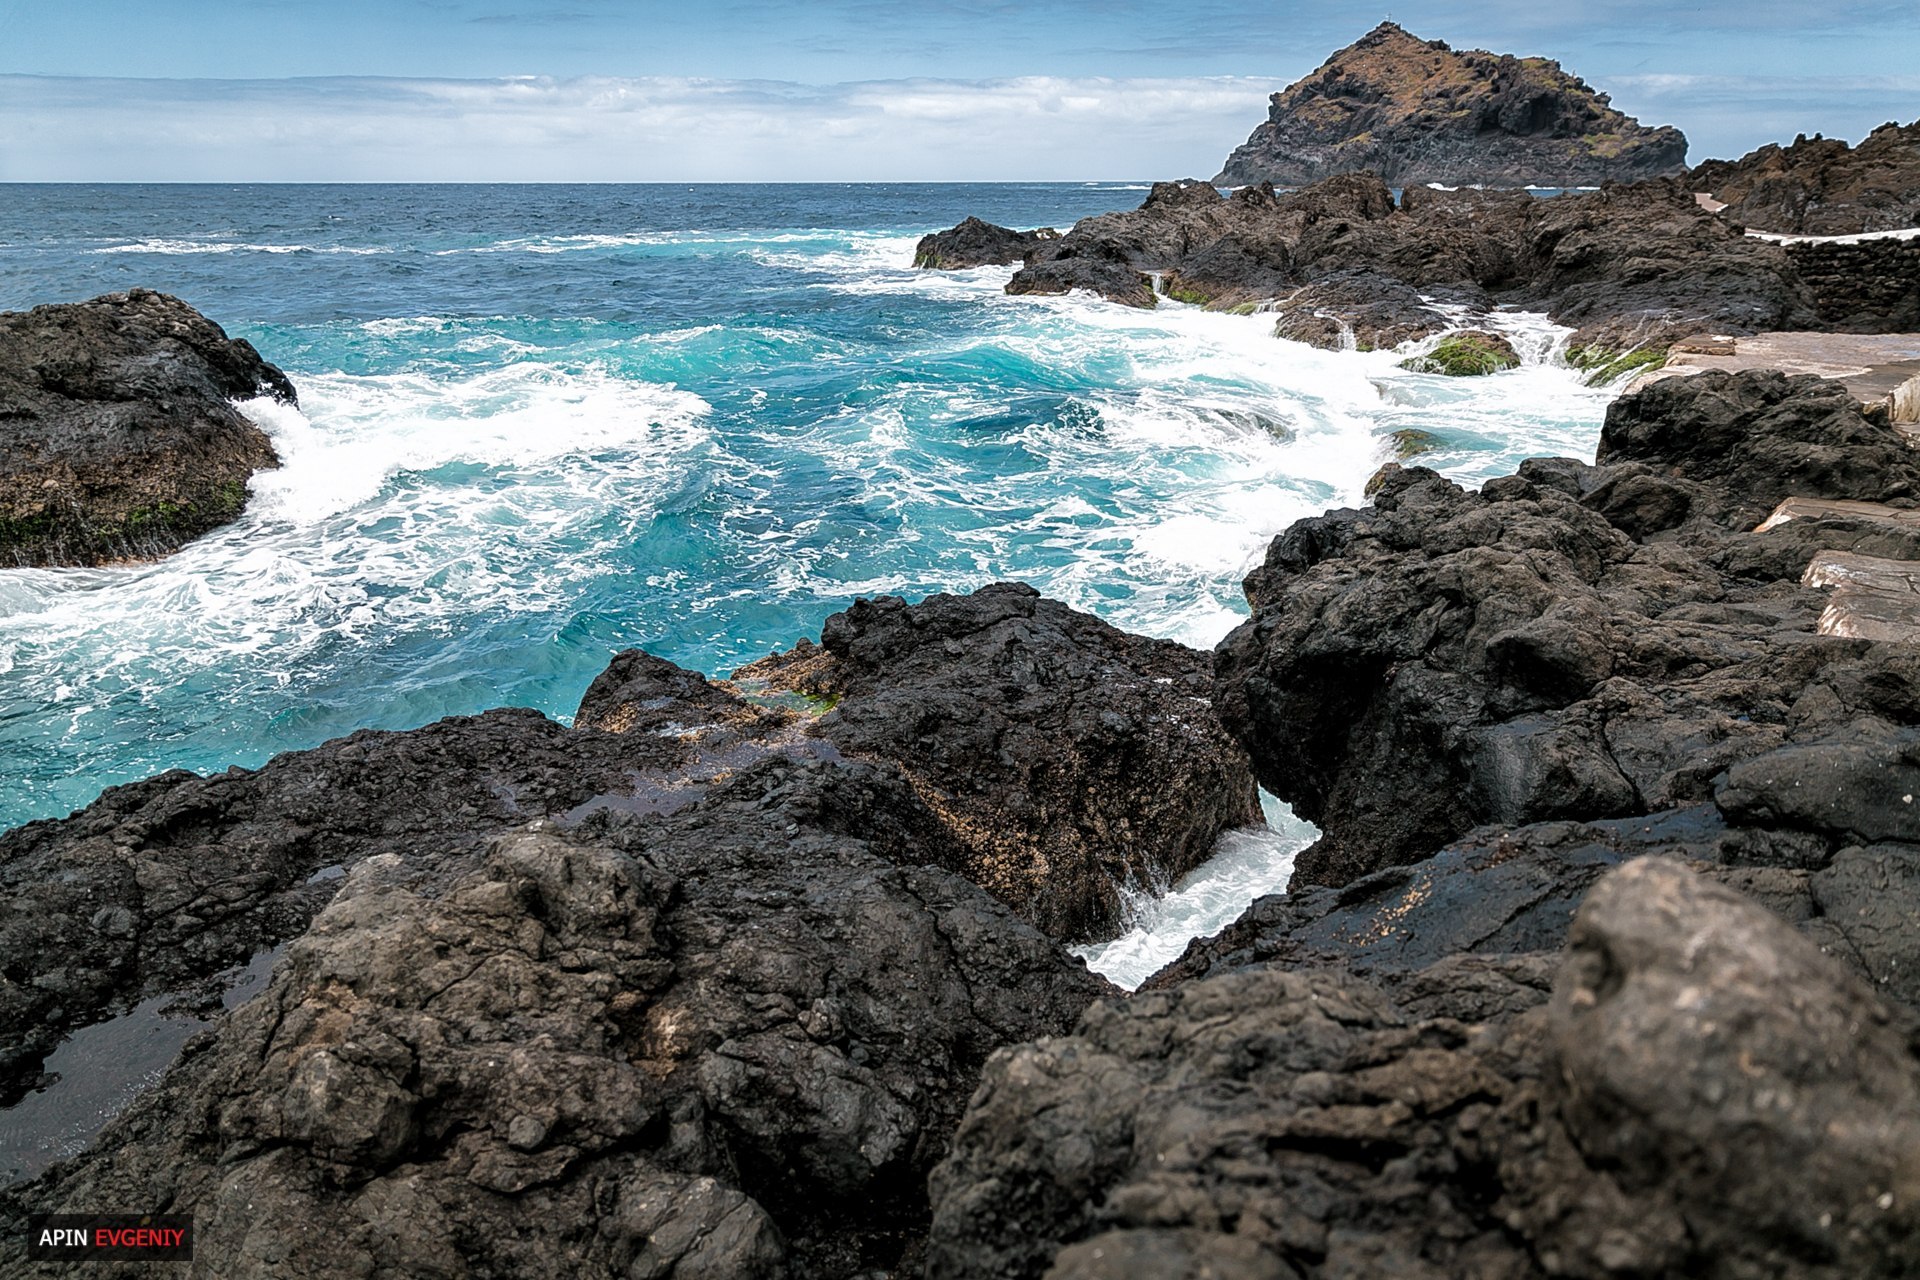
(1417, 111)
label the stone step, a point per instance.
(1871, 615)
(1839, 509)
(1873, 598)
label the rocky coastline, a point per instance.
(1821, 186)
(1606, 960)
(1631, 268)
(767, 977)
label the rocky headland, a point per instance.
(118, 435)
(1416, 111)
(1821, 186)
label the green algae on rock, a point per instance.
(1473, 353)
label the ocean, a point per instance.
(539, 424)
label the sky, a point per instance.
(848, 90)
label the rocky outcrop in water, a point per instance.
(1415, 111)
(1703, 1094)
(1574, 642)
(1631, 266)
(975, 243)
(118, 435)
(1069, 760)
(1821, 186)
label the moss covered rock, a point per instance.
(1606, 365)
(1409, 442)
(1470, 353)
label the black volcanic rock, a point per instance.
(1634, 265)
(1416, 111)
(1571, 643)
(975, 243)
(1011, 727)
(1821, 186)
(1368, 310)
(727, 1042)
(1067, 760)
(1705, 1094)
(118, 436)
(682, 986)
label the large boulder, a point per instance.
(1417, 111)
(1705, 1094)
(119, 439)
(1071, 763)
(975, 243)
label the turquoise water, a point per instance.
(538, 425)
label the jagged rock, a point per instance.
(1643, 265)
(1361, 309)
(1108, 254)
(1445, 660)
(710, 1045)
(1497, 891)
(975, 243)
(118, 436)
(1705, 1094)
(1632, 266)
(1821, 186)
(1022, 730)
(1760, 437)
(1066, 758)
(1417, 111)
(716, 1010)
(1746, 1106)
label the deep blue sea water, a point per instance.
(540, 424)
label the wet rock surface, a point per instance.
(1066, 758)
(1417, 111)
(118, 435)
(1458, 1122)
(1821, 186)
(1361, 309)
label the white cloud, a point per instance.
(609, 129)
